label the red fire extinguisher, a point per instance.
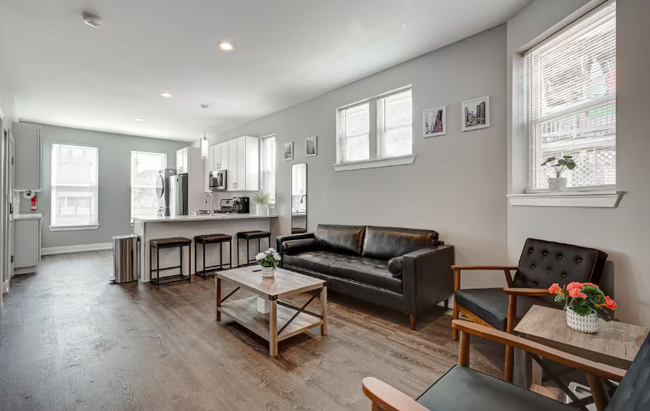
(34, 203)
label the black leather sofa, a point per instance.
(399, 268)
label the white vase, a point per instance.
(262, 209)
(263, 305)
(557, 185)
(585, 324)
(268, 272)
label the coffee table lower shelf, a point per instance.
(245, 312)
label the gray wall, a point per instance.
(457, 183)
(114, 181)
(623, 232)
(6, 97)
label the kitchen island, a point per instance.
(190, 226)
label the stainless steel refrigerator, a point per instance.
(178, 194)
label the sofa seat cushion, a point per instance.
(354, 268)
(491, 305)
(464, 389)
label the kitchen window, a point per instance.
(74, 187)
(144, 170)
(268, 166)
(376, 132)
(570, 97)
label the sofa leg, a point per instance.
(446, 304)
(412, 318)
(454, 335)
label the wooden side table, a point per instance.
(615, 344)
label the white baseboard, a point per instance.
(76, 248)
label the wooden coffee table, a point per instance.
(290, 320)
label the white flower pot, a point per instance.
(262, 209)
(557, 185)
(585, 324)
(263, 305)
(268, 272)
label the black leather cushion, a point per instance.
(293, 247)
(354, 268)
(464, 389)
(343, 238)
(170, 242)
(634, 391)
(212, 238)
(543, 263)
(395, 266)
(491, 305)
(252, 235)
(385, 243)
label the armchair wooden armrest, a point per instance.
(386, 398)
(570, 360)
(482, 267)
(530, 292)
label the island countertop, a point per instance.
(191, 218)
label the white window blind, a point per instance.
(74, 186)
(268, 166)
(354, 133)
(395, 125)
(570, 97)
(144, 170)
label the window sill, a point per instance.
(589, 199)
(375, 163)
(74, 227)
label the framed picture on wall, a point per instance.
(287, 152)
(435, 122)
(311, 146)
(476, 113)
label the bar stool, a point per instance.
(252, 235)
(172, 242)
(211, 239)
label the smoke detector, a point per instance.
(91, 19)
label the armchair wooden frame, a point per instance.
(512, 306)
(386, 398)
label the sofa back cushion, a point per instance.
(340, 238)
(384, 243)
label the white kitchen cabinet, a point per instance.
(29, 156)
(27, 244)
(188, 160)
(220, 157)
(243, 164)
(183, 160)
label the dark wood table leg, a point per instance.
(218, 287)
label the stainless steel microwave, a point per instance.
(218, 180)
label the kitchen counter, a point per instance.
(34, 216)
(190, 218)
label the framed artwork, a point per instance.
(287, 152)
(311, 146)
(475, 113)
(434, 122)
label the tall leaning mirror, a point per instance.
(299, 198)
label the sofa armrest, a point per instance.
(283, 238)
(293, 247)
(427, 277)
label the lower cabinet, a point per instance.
(27, 247)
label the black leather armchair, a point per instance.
(399, 268)
(462, 388)
(541, 264)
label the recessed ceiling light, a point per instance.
(226, 46)
(91, 19)
(165, 94)
(139, 120)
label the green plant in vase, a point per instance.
(558, 165)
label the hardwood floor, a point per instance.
(69, 340)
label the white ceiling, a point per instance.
(63, 72)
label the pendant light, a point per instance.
(204, 141)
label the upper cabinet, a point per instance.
(29, 156)
(240, 158)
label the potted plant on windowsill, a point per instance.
(558, 165)
(584, 303)
(262, 200)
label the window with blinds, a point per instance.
(395, 125)
(354, 133)
(378, 128)
(570, 97)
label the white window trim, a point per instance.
(74, 227)
(372, 162)
(585, 199)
